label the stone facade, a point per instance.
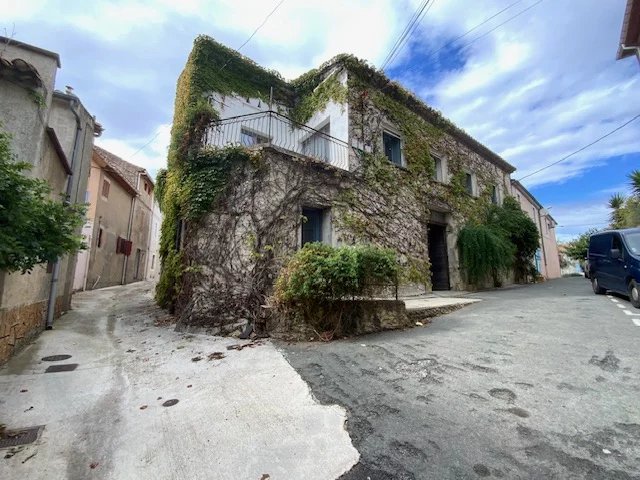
(409, 182)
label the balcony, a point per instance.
(273, 129)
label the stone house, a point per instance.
(53, 132)
(341, 155)
(119, 223)
(547, 259)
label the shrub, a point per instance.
(321, 273)
(484, 253)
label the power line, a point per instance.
(479, 37)
(255, 31)
(420, 12)
(581, 149)
(145, 145)
(474, 28)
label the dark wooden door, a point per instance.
(437, 238)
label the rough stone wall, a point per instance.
(370, 114)
(21, 324)
(236, 251)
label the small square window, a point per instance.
(439, 171)
(249, 138)
(392, 148)
(469, 183)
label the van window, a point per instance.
(617, 244)
(633, 241)
(600, 244)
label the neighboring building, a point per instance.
(547, 259)
(120, 222)
(53, 132)
(568, 265)
(630, 34)
(319, 139)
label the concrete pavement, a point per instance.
(243, 414)
(540, 382)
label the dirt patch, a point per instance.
(608, 363)
(503, 394)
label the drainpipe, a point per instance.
(53, 289)
(544, 254)
(126, 257)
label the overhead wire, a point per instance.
(620, 127)
(415, 19)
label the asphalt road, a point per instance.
(534, 382)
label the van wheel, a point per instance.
(634, 293)
(597, 289)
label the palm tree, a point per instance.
(634, 176)
(616, 204)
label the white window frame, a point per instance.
(441, 175)
(394, 133)
(253, 133)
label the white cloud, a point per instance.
(533, 90)
(152, 156)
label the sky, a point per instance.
(533, 88)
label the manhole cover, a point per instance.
(170, 403)
(67, 367)
(22, 436)
(55, 358)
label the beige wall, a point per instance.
(549, 257)
(112, 216)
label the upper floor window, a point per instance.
(440, 169)
(249, 138)
(106, 186)
(469, 187)
(494, 195)
(392, 148)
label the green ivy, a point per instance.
(484, 254)
(331, 89)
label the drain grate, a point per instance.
(55, 358)
(22, 436)
(66, 367)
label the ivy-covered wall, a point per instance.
(233, 216)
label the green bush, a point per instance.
(484, 253)
(321, 273)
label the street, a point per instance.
(145, 402)
(540, 381)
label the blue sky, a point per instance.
(533, 90)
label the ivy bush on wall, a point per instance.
(318, 276)
(507, 238)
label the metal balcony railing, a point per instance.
(273, 129)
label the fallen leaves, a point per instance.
(215, 356)
(196, 359)
(240, 346)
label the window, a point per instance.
(469, 183)
(106, 185)
(249, 138)
(494, 195)
(617, 243)
(312, 225)
(392, 148)
(99, 243)
(317, 145)
(153, 261)
(440, 170)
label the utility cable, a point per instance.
(417, 17)
(581, 149)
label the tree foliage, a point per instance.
(33, 228)
(577, 249)
(505, 238)
(625, 211)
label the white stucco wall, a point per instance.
(279, 129)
